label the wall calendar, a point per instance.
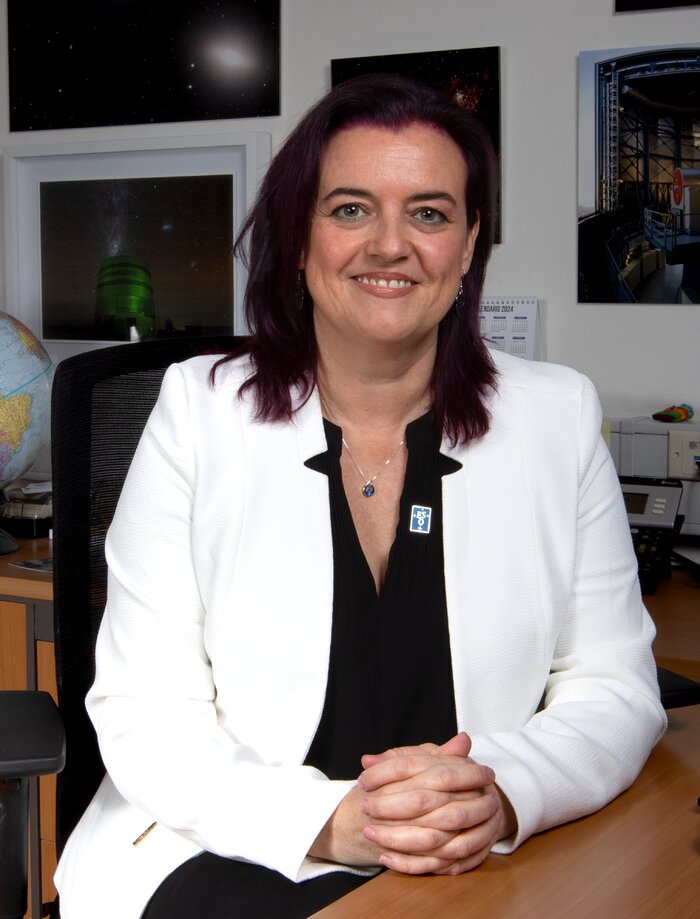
(511, 324)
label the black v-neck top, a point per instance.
(390, 672)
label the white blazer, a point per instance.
(213, 653)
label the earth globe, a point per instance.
(25, 399)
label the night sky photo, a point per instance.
(181, 226)
(470, 75)
(118, 62)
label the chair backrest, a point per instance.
(101, 401)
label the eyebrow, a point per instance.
(363, 193)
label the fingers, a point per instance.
(459, 745)
(423, 808)
(369, 759)
(465, 851)
(444, 773)
(466, 864)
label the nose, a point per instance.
(389, 239)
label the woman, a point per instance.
(372, 597)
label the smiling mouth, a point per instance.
(389, 284)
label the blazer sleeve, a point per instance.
(154, 699)
(601, 714)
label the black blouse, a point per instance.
(390, 673)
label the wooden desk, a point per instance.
(21, 582)
(638, 858)
(26, 615)
(675, 608)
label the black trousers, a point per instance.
(211, 887)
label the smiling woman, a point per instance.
(352, 672)
(285, 344)
(388, 242)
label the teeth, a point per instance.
(393, 284)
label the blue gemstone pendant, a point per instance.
(368, 490)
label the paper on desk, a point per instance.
(688, 556)
(37, 488)
(35, 564)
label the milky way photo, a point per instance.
(180, 226)
(117, 62)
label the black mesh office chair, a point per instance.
(100, 403)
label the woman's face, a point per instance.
(388, 240)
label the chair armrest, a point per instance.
(32, 738)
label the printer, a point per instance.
(641, 446)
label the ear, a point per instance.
(472, 235)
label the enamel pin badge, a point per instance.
(420, 519)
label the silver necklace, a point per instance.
(368, 488)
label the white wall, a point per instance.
(640, 357)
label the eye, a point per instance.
(430, 216)
(350, 211)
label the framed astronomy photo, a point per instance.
(162, 243)
(84, 64)
(110, 245)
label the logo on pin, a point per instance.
(420, 519)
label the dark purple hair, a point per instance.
(282, 344)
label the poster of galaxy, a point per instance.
(470, 75)
(120, 62)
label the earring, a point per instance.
(301, 291)
(460, 300)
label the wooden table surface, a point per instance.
(675, 609)
(637, 858)
(22, 582)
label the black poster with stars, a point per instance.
(120, 62)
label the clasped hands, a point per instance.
(418, 810)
